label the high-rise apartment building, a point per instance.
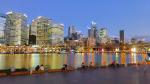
(46, 32)
(2, 27)
(57, 34)
(40, 29)
(16, 29)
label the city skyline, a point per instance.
(74, 41)
(132, 16)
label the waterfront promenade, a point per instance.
(129, 74)
(122, 75)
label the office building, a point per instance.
(102, 35)
(72, 32)
(121, 36)
(92, 32)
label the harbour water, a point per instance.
(55, 60)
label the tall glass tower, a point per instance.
(47, 32)
(16, 29)
(92, 32)
(57, 35)
(41, 29)
(121, 36)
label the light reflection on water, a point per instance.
(55, 61)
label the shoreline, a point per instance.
(29, 73)
(74, 52)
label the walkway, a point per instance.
(124, 75)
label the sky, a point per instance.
(131, 15)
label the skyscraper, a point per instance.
(72, 33)
(16, 29)
(41, 29)
(57, 34)
(121, 36)
(92, 32)
(47, 32)
(89, 31)
(2, 27)
(102, 35)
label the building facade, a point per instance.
(102, 35)
(2, 27)
(72, 33)
(16, 29)
(46, 32)
(57, 34)
(121, 36)
(92, 32)
(92, 35)
(40, 30)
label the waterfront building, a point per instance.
(16, 29)
(75, 43)
(32, 38)
(121, 36)
(46, 32)
(57, 34)
(91, 42)
(140, 39)
(40, 30)
(115, 40)
(2, 27)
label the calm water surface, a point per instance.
(55, 61)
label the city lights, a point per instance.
(117, 49)
(74, 42)
(133, 50)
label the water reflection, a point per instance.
(55, 61)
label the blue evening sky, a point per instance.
(131, 15)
